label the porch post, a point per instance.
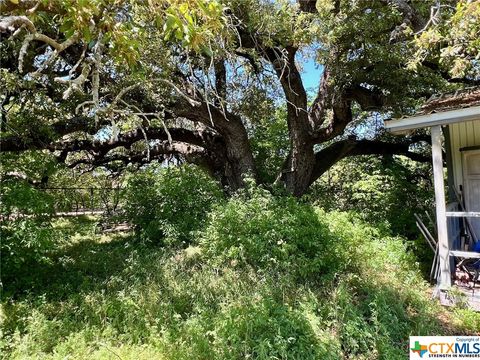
(444, 281)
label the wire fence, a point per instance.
(85, 199)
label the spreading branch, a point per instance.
(192, 153)
(339, 150)
(42, 139)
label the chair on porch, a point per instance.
(467, 269)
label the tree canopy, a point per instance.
(218, 83)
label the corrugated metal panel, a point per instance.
(462, 135)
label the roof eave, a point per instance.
(401, 126)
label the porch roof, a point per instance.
(462, 105)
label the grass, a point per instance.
(113, 297)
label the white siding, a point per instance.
(464, 134)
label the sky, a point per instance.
(311, 73)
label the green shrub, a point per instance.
(26, 231)
(380, 300)
(468, 319)
(169, 204)
(385, 192)
(19, 197)
(24, 241)
(270, 233)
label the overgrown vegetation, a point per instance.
(169, 204)
(263, 277)
(270, 245)
(26, 232)
(383, 191)
(386, 192)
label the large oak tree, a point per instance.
(219, 83)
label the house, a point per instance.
(454, 123)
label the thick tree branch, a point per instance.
(193, 153)
(284, 64)
(410, 14)
(251, 60)
(341, 117)
(230, 126)
(11, 23)
(42, 139)
(282, 58)
(296, 171)
(445, 75)
(330, 155)
(126, 140)
(319, 106)
(368, 99)
(220, 79)
(308, 6)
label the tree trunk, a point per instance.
(297, 169)
(297, 172)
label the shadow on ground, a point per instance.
(129, 292)
(82, 263)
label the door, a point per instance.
(471, 179)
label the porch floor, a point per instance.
(462, 296)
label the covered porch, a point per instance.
(454, 123)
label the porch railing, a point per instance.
(461, 233)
